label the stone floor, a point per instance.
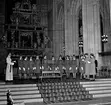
(102, 101)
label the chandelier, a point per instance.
(80, 43)
(104, 38)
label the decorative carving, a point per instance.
(36, 20)
(26, 33)
(12, 33)
(25, 38)
(26, 14)
(26, 4)
(46, 39)
(13, 18)
(17, 5)
(35, 45)
(25, 19)
(38, 40)
(34, 7)
(81, 30)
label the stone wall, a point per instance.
(3, 52)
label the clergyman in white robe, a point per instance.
(9, 68)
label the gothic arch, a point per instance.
(60, 27)
(104, 12)
(76, 6)
(60, 14)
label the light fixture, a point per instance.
(80, 43)
(104, 38)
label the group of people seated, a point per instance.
(84, 65)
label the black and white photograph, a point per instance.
(55, 52)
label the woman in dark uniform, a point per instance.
(59, 65)
(67, 66)
(37, 66)
(92, 72)
(82, 66)
(25, 71)
(45, 64)
(31, 66)
(20, 66)
(74, 66)
(53, 63)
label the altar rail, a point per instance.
(51, 74)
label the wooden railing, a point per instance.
(51, 74)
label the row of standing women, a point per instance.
(29, 67)
(85, 65)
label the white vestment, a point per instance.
(92, 68)
(9, 69)
(87, 66)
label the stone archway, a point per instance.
(105, 20)
(91, 27)
(76, 7)
(60, 20)
(60, 32)
(72, 8)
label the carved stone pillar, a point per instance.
(91, 27)
(55, 34)
(110, 11)
(68, 29)
(71, 26)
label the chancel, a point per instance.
(55, 51)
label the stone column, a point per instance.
(76, 35)
(91, 27)
(57, 31)
(54, 27)
(69, 35)
(110, 10)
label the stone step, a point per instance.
(96, 85)
(95, 82)
(99, 91)
(102, 95)
(98, 88)
(21, 85)
(104, 103)
(30, 100)
(20, 92)
(18, 97)
(3, 102)
(104, 79)
(27, 93)
(2, 83)
(18, 89)
(24, 100)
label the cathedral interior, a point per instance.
(56, 28)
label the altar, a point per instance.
(26, 32)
